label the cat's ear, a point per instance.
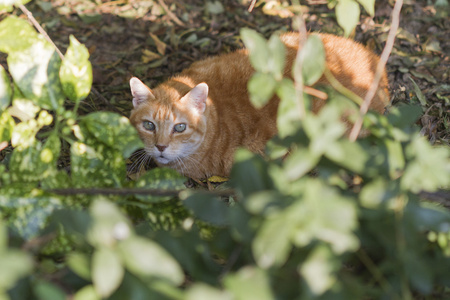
(196, 98)
(140, 92)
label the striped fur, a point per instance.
(223, 119)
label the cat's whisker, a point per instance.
(140, 162)
(135, 162)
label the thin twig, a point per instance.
(252, 6)
(170, 13)
(376, 273)
(315, 93)
(440, 196)
(340, 88)
(39, 28)
(105, 101)
(129, 192)
(379, 71)
(38, 242)
(298, 76)
(3, 145)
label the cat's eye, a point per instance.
(179, 127)
(148, 125)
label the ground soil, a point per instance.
(156, 39)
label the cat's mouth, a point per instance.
(162, 160)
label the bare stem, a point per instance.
(340, 88)
(39, 28)
(298, 76)
(129, 192)
(379, 71)
(252, 6)
(170, 13)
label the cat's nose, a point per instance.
(161, 147)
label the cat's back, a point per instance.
(350, 62)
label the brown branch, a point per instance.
(252, 6)
(341, 88)
(379, 71)
(315, 93)
(170, 13)
(129, 192)
(298, 76)
(3, 145)
(440, 196)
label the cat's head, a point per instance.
(171, 125)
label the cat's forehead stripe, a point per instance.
(163, 114)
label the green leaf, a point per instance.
(201, 291)
(428, 166)
(300, 162)
(76, 71)
(207, 207)
(324, 129)
(29, 213)
(3, 237)
(332, 219)
(419, 94)
(318, 270)
(312, 59)
(353, 156)
(261, 87)
(22, 109)
(277, 57)
(265, 203)
(114, 131)
(35, 70)
(249, 173)
(16, 35)
(378, 192)
(369, 6)
(259, 52)
(79, 264)
(107, 271)
(8, 5)
(86, 293)
(5, 90)
(249, 283)
(160, 179)
(272, 243)
(144, 257)
(46, 290)
(419, 272)
(288, 119)
(109, 224)
(134, 288)
(396, 159)
(215, 7)
(404, 116)
(6, 126)
(13, 266)
(347, 15)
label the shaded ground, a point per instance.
(156, 39)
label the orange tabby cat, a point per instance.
(195, 121)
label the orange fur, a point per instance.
(219, 117)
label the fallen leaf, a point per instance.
(148, 56)
(160, 45)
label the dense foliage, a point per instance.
(318, 217)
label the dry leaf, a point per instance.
(160, 45)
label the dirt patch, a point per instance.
(156, 39)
